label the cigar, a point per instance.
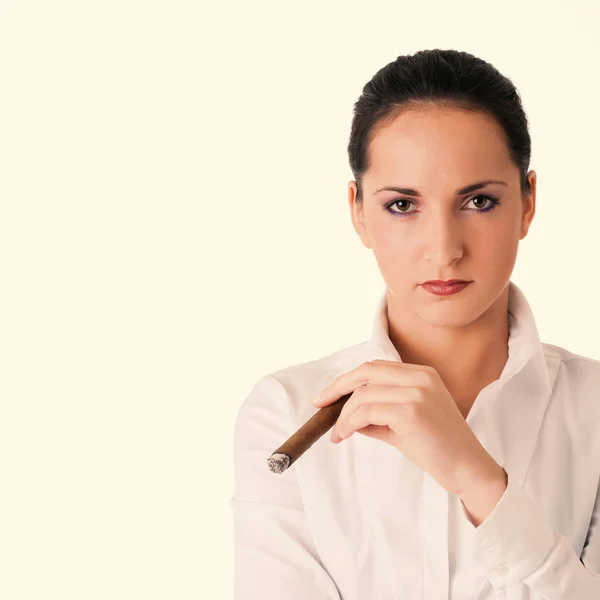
(296, 445)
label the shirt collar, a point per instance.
(525, 350)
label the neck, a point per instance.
(466, 357)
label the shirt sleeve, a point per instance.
(517, 543)
(275, 555)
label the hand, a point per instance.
(409, 407)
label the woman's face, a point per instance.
(442, 234)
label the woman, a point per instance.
(476, 474)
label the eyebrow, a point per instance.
(464, 190)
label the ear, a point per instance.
(357, 215)
(528, 205)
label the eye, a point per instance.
(493, 202)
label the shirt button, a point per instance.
(501, 570)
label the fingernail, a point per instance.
(316, 400)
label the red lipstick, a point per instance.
(445, 288)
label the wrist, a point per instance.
(480, 499)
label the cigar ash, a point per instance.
(278, 462)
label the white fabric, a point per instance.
(359, 521)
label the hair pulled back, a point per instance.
(438, 78)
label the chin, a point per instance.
(449, 314)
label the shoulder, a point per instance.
(285, 396)
(582, 369)
(578, 380)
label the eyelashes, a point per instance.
(493, 202)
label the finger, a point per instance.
(378, 432)
(392, 394)
(369, 414)
(397, 394)
(375, 372)
(348, 381)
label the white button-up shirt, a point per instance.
(359, 521)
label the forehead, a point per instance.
(424, 146)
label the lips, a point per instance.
(447, 282)
(446, 289)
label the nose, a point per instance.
(443, 240)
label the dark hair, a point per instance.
(444, 78)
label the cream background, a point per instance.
(174, 225)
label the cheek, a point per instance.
(500, 242)
(389, 243)
(493, 245)
(397, 254)
(392, 238)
